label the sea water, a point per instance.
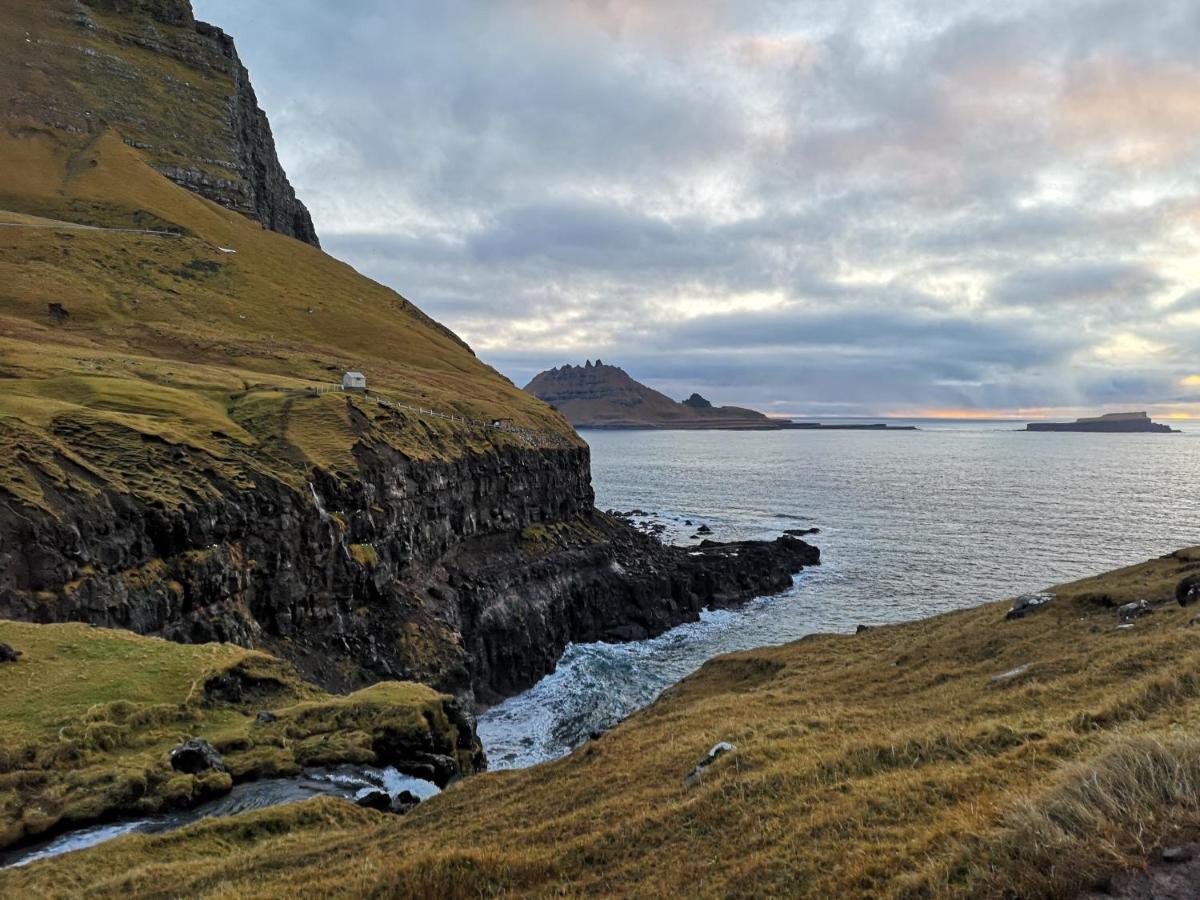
(912, 523)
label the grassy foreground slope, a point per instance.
(88, 717)
(890, 763)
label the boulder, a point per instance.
(195, 756)
(1187, 591)
(265, 717)
(801, 532)
(1178, 854)
(718, 750)
(404, 802)
(374, 799)
(1026, 604)
(862, 628)
(704, 529)
(8, 654)
(1134, 610)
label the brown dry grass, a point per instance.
(883, 764)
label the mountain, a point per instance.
(175, 456)
(168, 85)
(603, 396)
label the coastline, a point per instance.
(980, 724)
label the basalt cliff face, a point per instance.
(146, 67)
(174, 459)
(470, 575)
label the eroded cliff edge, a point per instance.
(470, 575)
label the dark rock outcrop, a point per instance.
(1135, 610)
(8, 654)
(1187, 591)
(195, 756)
(471, 575)
(404, 802)
(375, 799)
(697, 773)
(1027, 604)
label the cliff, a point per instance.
(171, 86)
(601, 396)
(975, 754)
(175, 458)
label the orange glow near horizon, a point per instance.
(1175, 413)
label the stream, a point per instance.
(349, 782)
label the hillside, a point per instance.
(600, 396)
(964, 755)
(175, 458)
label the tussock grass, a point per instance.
(1103, 815)
(886, 764)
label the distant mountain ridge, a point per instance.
(596, 395)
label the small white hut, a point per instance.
(354, 381)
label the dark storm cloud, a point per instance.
(862, 206)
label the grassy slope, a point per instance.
(172, 337)
(887, 763)
(88, 715)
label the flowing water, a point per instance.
(912, 523)
(343, 781)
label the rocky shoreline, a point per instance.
(470, 575)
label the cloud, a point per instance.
(1125, 285)
(862, 206)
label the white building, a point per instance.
(354, 381)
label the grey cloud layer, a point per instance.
(855, 207)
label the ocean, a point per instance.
(912, 523)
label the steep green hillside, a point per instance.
(176, 338)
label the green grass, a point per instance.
(173, 340)
(88, 716)
(885, 764)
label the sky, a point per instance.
(852, 208)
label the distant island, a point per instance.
(1111, 423)
(596, 395)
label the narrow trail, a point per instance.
(57, 225)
